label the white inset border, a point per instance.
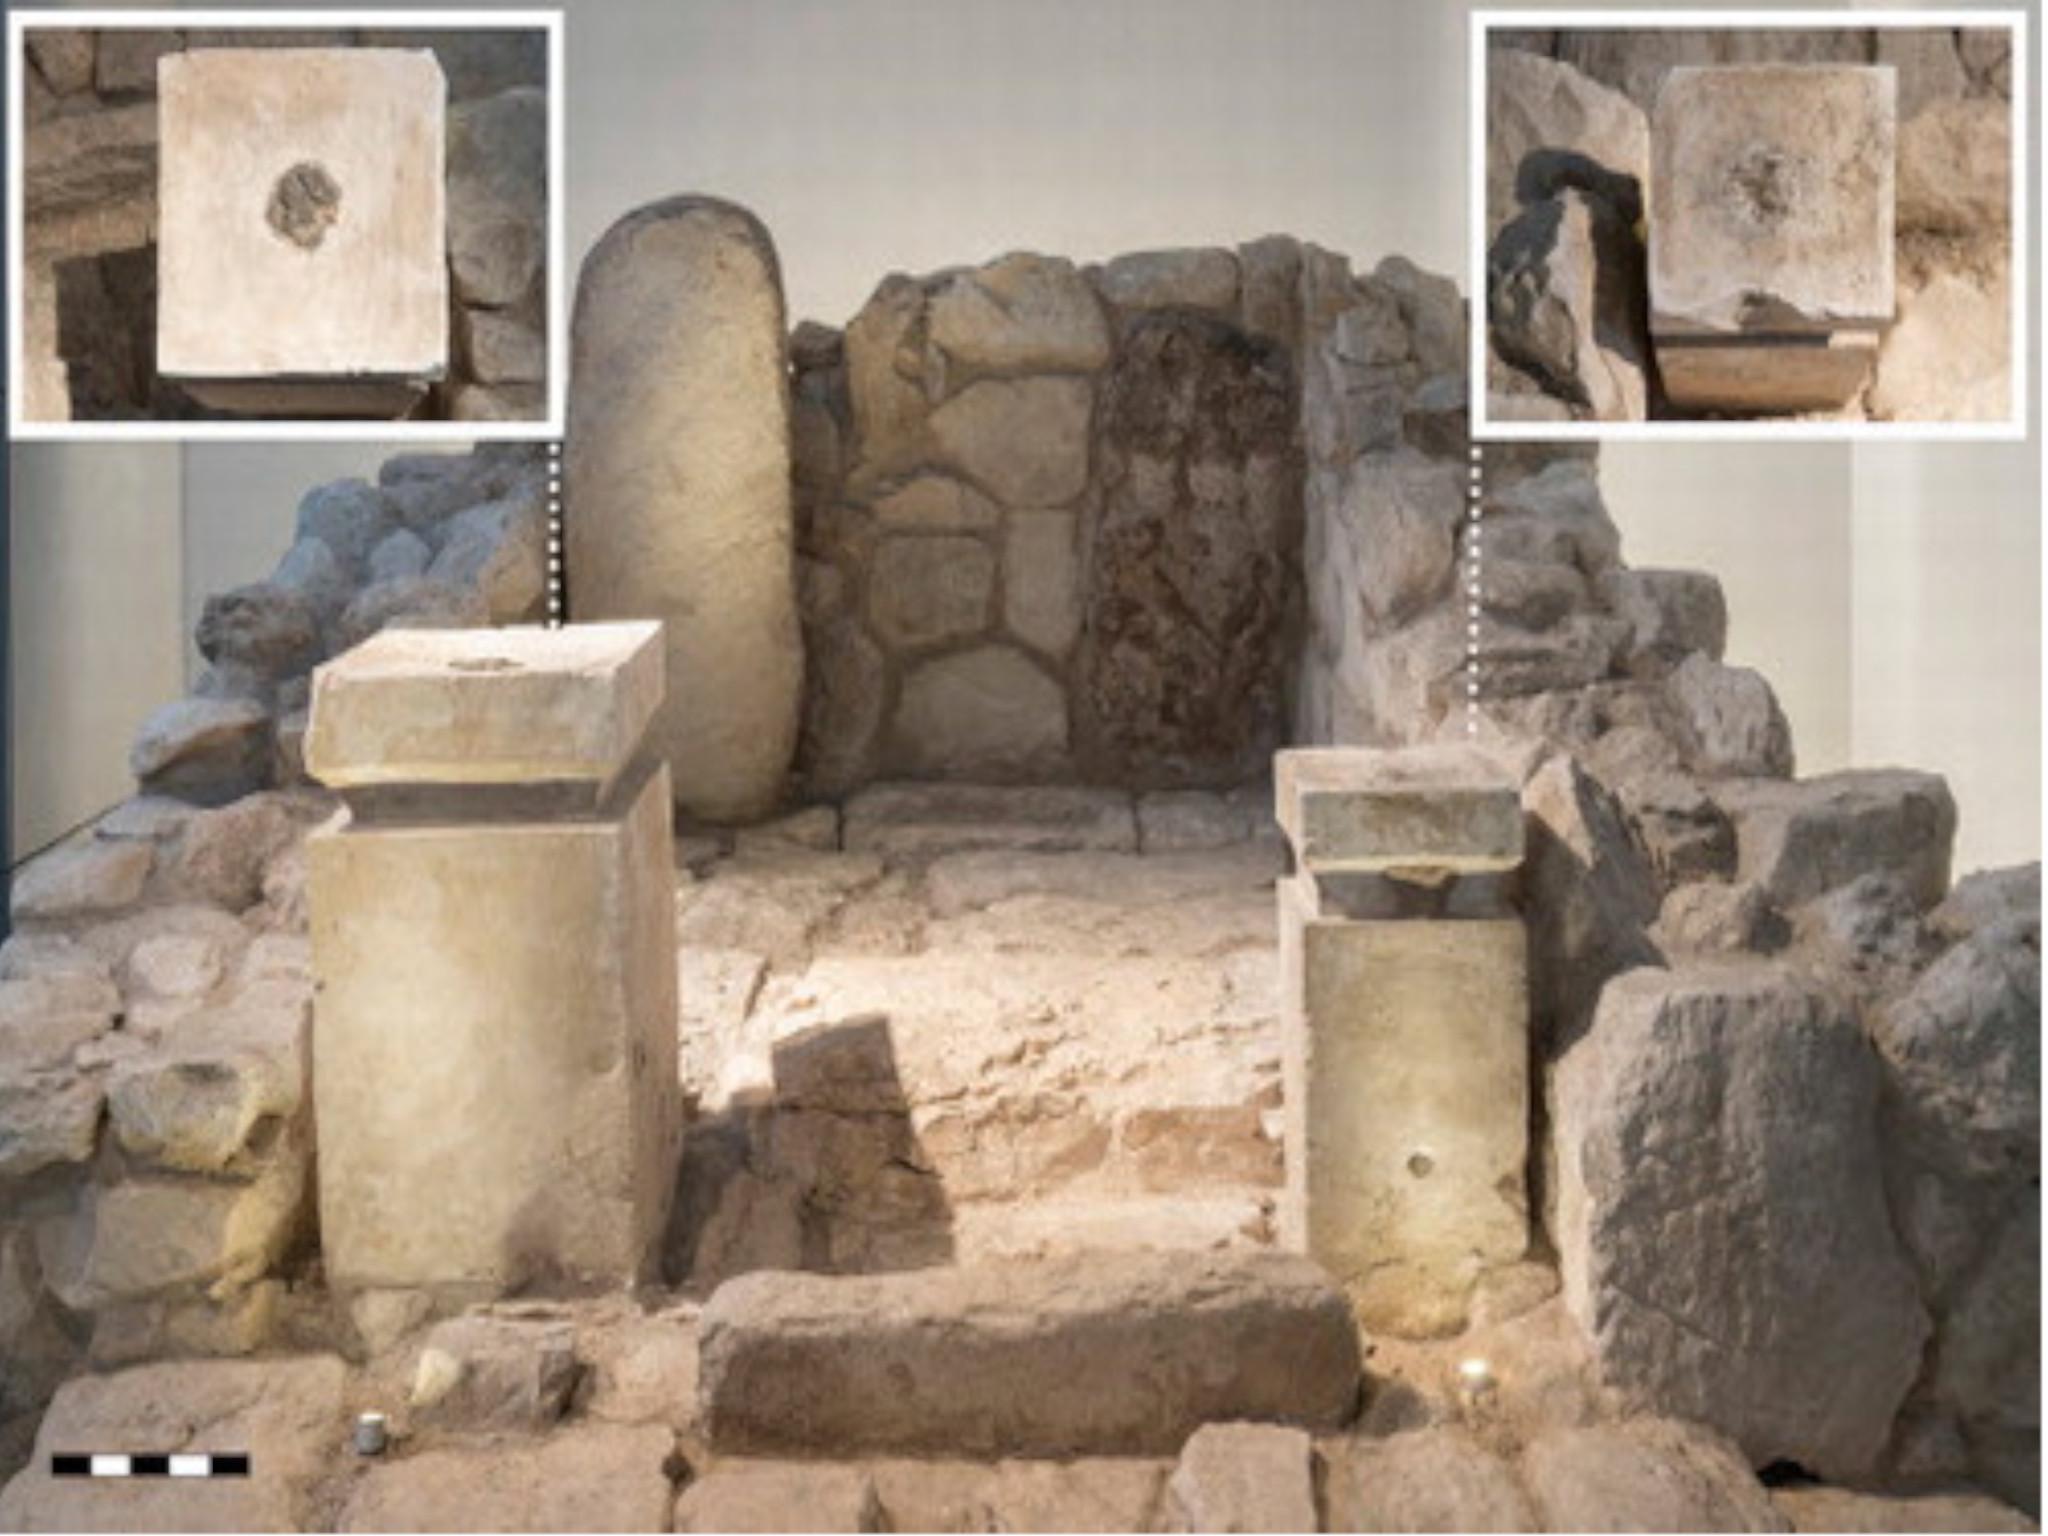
(21, 22)
(2012, 428)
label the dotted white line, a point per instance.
(555, 535)
(1474, 493)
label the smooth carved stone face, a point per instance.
(304, 205)
(1771, 193)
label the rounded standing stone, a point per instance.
(678, 487)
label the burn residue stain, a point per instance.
(304, 205)
(1763, 181)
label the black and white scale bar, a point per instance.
(125, 1464)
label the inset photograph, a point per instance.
(1749, 223)
(290, 225)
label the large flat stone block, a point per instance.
(494, 1045)
(678, 479)
(1091, 1353)
(1405, 1069)
(1771, 198)
(1444, 808)
(485, 706)
(302, 221)
(1731, 1263)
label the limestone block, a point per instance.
(1424, 1480)
(503, 349)
(146, 1235)
(497, 211)
(1543, 116)
(596, 1477)
(988, 712)
(1405, 1064)
(1671, 614)
(495, 1044)
(484, 1372)
(81, 878)
(64, 56)
(302, 224)
(1024, 441)
(1565, 302)
(1729, 719)
(1406, 511)
(1042, 580)
(77, 168)
(925, 590)
(1955, 168)
(1771, 199)
(935, 504)
(1801, 840)
(1348, 810)
(128, 58)
(744, 1495)
(485, 706)
(47, 1116)
(1695, 1208)
(1644, 1475)
(1816, 372)
(1950, 357)
(1181, 279)
(678, 473)
(194, 1100)
(1244, 1477)
(1020, 313)
(903, 820)
(1818, 1508)
(1099, 1352)
(287, 1415)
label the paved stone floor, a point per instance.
(934, 1030)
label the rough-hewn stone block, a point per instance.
(1695, 1204)
(1104, 1353)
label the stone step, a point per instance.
(1089, 1353)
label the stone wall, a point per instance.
(442, 540)
(89, 211)
(1050, 522)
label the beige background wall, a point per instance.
(1892, 594)
(1776, 522)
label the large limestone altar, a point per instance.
(492, 926)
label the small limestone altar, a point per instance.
(493, 920)
(302, 265)
(1404, 1041)
(1771, 221)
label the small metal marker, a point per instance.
(372, 1434)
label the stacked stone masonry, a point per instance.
(933, 1025)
